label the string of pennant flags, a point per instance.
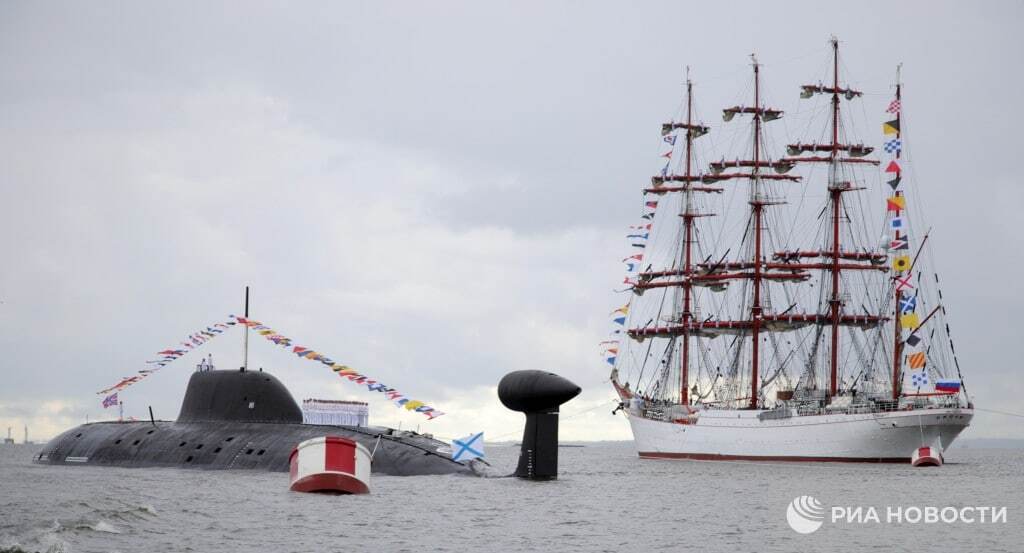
(197, 339)
(899, 246)
(915, 357)
(194, 340)
(638, 236)
(342, 370)
(669, 137)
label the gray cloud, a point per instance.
(434, 193)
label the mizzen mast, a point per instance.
(897, 350)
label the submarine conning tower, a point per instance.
(537, 394)
(243, 396)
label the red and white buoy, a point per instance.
(927, 456)
(330, 464)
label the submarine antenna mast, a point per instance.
(245, 353)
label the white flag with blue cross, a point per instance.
(468, 448)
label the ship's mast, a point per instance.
(688, 184)
(245, 352)
(688, 215)
(757, 204)
(897, 350)
(839, 154)
(837, 198)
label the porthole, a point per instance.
(79, 435)
(229, 439)
(136, 442)
(150, 432)
(261, 452)
(188, 459)
(249, 452)
(200, 446)
(182, 444)
(117, 441)
(217, 450)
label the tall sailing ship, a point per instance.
(785, 307)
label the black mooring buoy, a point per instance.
(537, 394)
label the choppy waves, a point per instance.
(605, 500)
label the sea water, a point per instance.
(606, 499)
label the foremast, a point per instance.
(688, 187)
(688, 216)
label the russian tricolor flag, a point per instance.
(947, 385)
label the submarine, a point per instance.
(240, 419)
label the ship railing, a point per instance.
(797, 408)
(871, 407)
(782, 412)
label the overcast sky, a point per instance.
(433, 193)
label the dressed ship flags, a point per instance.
(165, 357)
(342, 370)
(201, 337)
(919, 379)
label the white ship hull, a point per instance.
(865, 437)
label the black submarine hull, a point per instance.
(238, 420)
(252, 446)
